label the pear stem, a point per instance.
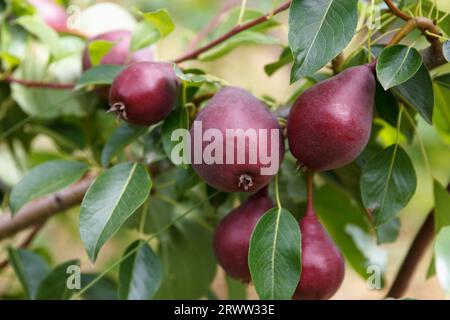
(309, 192)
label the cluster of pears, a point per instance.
(328, 127)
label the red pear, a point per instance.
(236, 109)
(232, 236)
(330, 124)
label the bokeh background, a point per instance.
(243, 67)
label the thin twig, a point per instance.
(41, 85)
(25, 242)
(415, 253)
(397, 11)
(238, 29)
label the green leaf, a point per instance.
(442, 258)
(197, 80)
(122, 137)
(446, 50)
(284, 59)
(388, 232)
(237, 290)
(162, 21)
(144, 35)
(188, 259)
(347, 224)
(441, 116)
(103, 289)
(45, 179)
(417, 92)
(386, 105)
(275, 255)
(140, 274)
(178, 119)
(397, 64)
(30, 268)
(388, 182)
(98, 49)
(318, 31)
(110, 201)
(246, 37)
(36, 26)
(99, 75)
(55, 284)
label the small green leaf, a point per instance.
(275, 255)
(417, 92)
(110, 201)
(442, 258)
(144, 35)
(99, 75)
(318, 31)
(122, 137)
(197, 80)
(45, 179)
(178, 119)
(162, 21)
(397, 64)
(387, 105)
(284, 59)
(55, 285)
(140, 274)
(30, 268)
(98, 49)
(388, 182)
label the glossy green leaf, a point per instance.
(162, 21)
(275, 255)
(349, 227)
(246, 37)
(388, 182)
(140, 274)
(55, 284)
(99, 75)
(417, 92)
(122, 137)
(45, 179)
(178, 119)
(188, 259)
(110, 201)
(442, 258)
(30, 269)
(387, 105)
(318, 31)
(397, 64)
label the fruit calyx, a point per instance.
(245, 182)
(119, 109)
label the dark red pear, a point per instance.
(121, 53)
(232, 236)
(323, 267)
(230, 110)
(144, 93)
(329, 125)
